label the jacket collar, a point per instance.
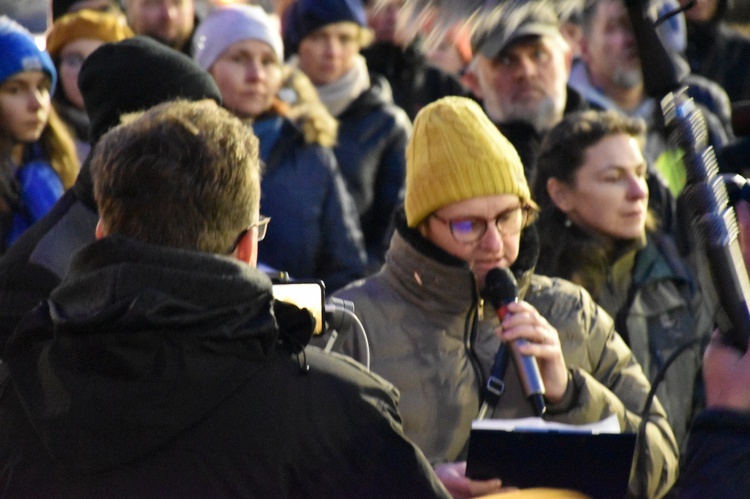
(118, 280)
(440, 281)
(136, 325)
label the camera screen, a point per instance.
(309, 295)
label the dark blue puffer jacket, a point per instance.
(314, 232)
(40, 187)
(371, 152)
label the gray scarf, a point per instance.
(337, 96)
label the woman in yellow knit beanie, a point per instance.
(457, 153)
(468, 210)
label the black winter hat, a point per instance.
(306, 16)
(134, 75)
(61, 7)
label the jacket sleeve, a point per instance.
(717, 460)
(389, 188)
(41, 187)
(614, 383)
(386, 463)
(342, 259)
(23, 285)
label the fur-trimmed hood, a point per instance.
(305, 108)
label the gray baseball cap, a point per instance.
(512, 21)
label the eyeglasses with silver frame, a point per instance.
(261, 224)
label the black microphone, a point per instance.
(501, 289)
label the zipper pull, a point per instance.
(481, 309)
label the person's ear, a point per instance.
(470, 79)
(560, 194)
(568, 56)
(247, 248)
(101, 231)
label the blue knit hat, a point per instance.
(18, 52)
(306, 16)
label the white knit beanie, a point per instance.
(228, 24)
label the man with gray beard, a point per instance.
(610, 73)
(520, 70)
(609, 76)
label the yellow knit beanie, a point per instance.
(104, 26)
(456, 153)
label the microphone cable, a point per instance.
(641, 438)
(340, 316)
(666, 17)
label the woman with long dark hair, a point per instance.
(597, 231)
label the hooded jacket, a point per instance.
(437, 346)
(655, 300)
(155, 371)
(371, 152)
(38, 260)
(315, 231)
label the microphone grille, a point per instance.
(500, 287)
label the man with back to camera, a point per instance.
(117, 78)
(161, 364)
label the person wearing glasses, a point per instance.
(172, 371)
(468, 210)
(72, 38)
(597, 230)
(116, 79)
